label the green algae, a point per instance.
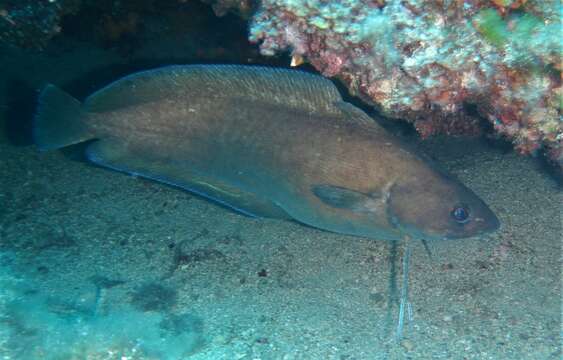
(500, 31)
(492, 26)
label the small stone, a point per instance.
(407, 345)
(220, 339)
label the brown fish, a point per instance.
(267, 142)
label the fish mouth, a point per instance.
(487, 226)
(481, 226)
(486, 223)
(492, 224)
(416, 233)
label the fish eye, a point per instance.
(460, 214)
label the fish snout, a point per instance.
(481, 220)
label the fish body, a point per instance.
(266, 142)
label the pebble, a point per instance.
(407, 345)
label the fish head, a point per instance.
(432, 205)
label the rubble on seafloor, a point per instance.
(420, 60)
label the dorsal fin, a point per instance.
(291, 88)
(356, 115)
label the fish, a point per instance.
(266, 142)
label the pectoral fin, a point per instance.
(343, 198)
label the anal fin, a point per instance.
(113, 155)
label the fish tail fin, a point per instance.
(60, 120)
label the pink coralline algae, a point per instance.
(425, 60)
